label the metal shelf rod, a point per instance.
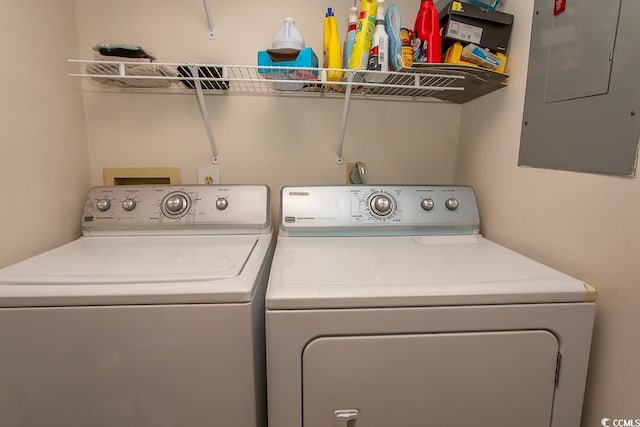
(215, 159)
(210, 24)
(345, 114)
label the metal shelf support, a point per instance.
(212, 27)
(345, 114)
(215, 159)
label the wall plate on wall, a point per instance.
(140, 176)
(208, 176)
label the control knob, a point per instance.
(381, 205)
(452, 204)
(427, 204)
(103, 205)
(128, 204)
(175, 204)
(222, 203)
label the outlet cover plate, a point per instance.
(208, 176)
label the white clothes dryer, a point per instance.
(386, 307)
(155, 317)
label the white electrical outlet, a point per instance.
(208, 176)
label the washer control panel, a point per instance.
(382, 210)
(176, 209)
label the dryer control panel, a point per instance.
(379, 210)
(177, 209)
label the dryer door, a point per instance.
(498, 379)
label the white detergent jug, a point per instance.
(288, 38)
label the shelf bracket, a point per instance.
(205, 114)
(212, 27)
(345, 114)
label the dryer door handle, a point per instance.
(345, 417)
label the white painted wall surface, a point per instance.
(44, 175)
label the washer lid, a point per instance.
(344, 272)
(139, 269)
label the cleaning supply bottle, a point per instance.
(364, 34)
(288, 38)
(351, 35)
(428, 42)
(379, 53)
(332, 54)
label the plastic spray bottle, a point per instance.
(351, 35)
(332, 54)
(379, 53)
(364, 34)
(428, 42)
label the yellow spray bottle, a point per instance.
(332, 53)
(364, 34)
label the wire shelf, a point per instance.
(440, 81)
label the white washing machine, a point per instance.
(385, 307)
(155, 317)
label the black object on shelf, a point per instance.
(125, 52)
(470, 23)
(204, 72)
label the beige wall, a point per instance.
(585, 225)
(44, 171)
(261, 139)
